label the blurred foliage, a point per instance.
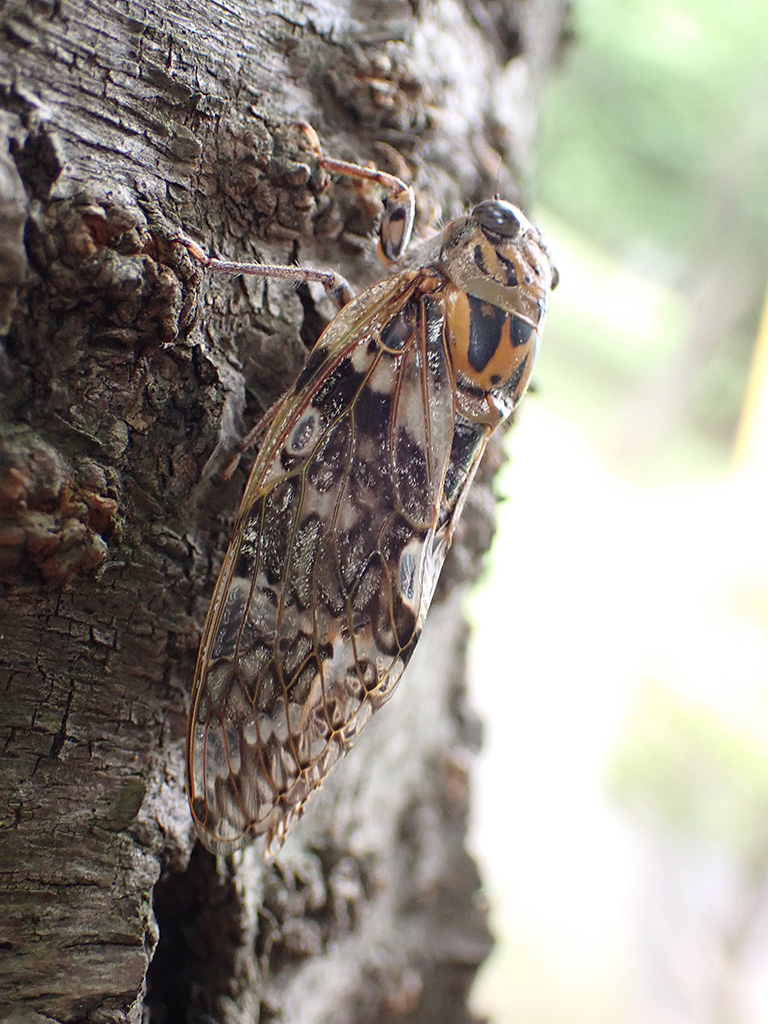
(655, 154)
(685, 769)
(653, 191)
(656, 130)
(654, 174)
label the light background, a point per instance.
(620, 657)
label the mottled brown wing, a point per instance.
(339, 540)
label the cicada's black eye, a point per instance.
(497, 216)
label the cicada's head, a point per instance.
(500, 276)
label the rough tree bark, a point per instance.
(126, 377)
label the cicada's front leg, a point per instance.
(399, 207)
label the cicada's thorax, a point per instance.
(499, 279)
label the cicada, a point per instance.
(351, 506)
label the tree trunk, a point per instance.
(127, 376)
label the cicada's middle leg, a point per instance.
(336, 286)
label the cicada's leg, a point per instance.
(394, 235)
(333, 283)
(249, 439)
(399, 206)
(394, 231)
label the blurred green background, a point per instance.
(654, 167)
(621, 652)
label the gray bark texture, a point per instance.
(127, 376)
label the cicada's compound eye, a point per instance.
(497, 216)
